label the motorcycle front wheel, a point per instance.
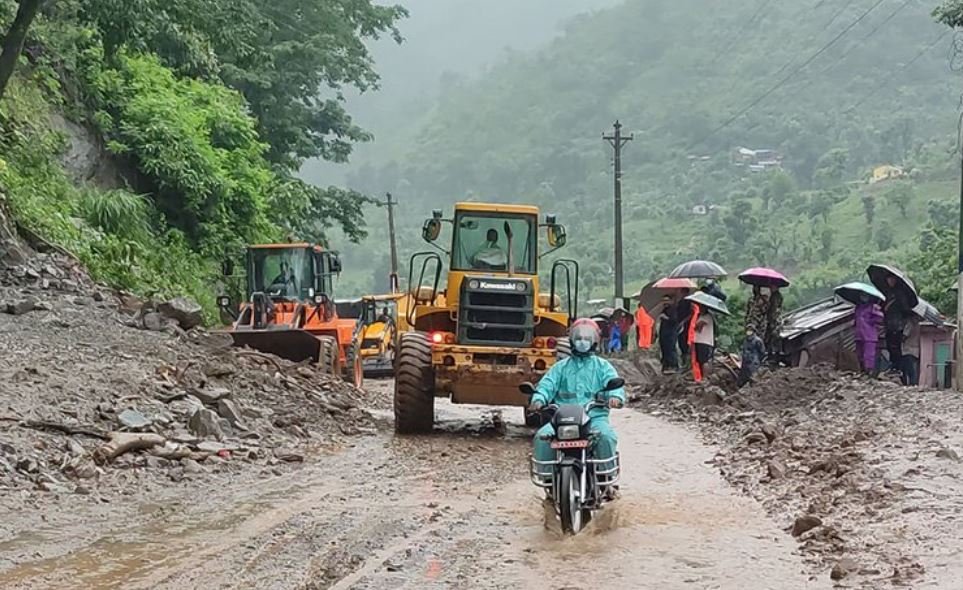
(574, 518)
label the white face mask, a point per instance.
(582, 345)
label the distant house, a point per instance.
(700, 210)
(886, 172)
(757, 160)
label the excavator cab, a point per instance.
(288, 309)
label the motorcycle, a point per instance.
(576, 482)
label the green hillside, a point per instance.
(677, 73)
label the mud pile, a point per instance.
(863, 473)
(93, 403)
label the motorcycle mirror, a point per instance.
(614, 383)
(527, 388)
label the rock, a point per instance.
(219, 370)
(99, 297)
(805, 523)
(43, 306)
(756, 438)
(81, 490)
(948, 453)
(228, 410)
(843, 568)
(771, 432)
(203, 423)
(21, 307)
(209, 446)
(28, 465)
(82, 301)
(133, 420)
(289, 456)
(776, 469)
(52, 271)
(191, 466)
(75, 448)
(211, 395)
(186, 312)
(154, 322)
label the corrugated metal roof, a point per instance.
(815, 316)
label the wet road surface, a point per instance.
(450, 510)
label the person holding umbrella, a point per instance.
(764, 311)
(867, 322)
(668, 335)
(901, 298)
(701, 333)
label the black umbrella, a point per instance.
(698, 269)
(706, 300)
(878, 273)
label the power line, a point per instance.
(867, 36)
(890, 77)
(789, 76)
(836, 14)
(745, 29)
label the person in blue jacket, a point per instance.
(577, 380)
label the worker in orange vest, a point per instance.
(691, 340)
(644, 325)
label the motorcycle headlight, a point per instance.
(569, 432)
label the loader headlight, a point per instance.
(223, 301)
(473, 284)
(570, 432)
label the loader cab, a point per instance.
(292, 272)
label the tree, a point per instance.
(820, 205)
(831, 168)
(13, 40)
(942, 214)
(884, 236)
(780, 186)
(826, 239)
(739, 221)
(869, 208)
(280, 54)
(899, 196)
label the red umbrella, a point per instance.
(652, 294)
(674, 283)
(763, 277)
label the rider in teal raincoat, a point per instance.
(577, 380)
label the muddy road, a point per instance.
(451, 510)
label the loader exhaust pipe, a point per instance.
(511, 258)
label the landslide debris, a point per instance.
(863, 473)
(96, 397)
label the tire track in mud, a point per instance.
(451, 510)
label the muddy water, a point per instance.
(451, 510)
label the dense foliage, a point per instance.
(210, 106)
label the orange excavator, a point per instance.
(289, 311)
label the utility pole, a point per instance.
(618, 141)
(393, 283)
(958, 366)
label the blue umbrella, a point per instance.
(851, 292)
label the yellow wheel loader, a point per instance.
(491, 327)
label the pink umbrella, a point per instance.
(763, 277)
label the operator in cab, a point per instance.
(578, 379)
(490, 256)
(285, 281)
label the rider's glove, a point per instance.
(535, 406)
(615, 403)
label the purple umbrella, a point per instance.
(764, 277)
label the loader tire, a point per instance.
(563, 349)
(414, 385)
(353, 371)
(328, 357)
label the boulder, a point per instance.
(21, 307)
(204, 423)
(186, 312)
(155, 322)
(805, 523)
(211, 395)
(228, 410)
(133, 420)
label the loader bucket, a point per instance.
(293, 345)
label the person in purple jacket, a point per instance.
(868, 320)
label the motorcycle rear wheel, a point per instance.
(573, 517)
